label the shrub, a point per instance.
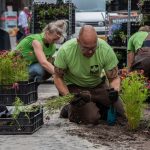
(133, 94)
(13, 68)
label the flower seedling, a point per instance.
(133, 94)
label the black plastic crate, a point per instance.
(23, 125)
(27, 92)
(9, 99)
(24, 88)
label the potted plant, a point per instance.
(14, 79)
(13, 68)
(22, 119)
(133, 94)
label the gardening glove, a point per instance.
(113, 95)
(111, 114)
(81, 98)
(86, 96)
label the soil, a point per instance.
(117, 137)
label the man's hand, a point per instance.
(112, 74)
(113, 95)
(81, 98)
(114, 78)
(86, 95)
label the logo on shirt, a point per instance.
(94, 69)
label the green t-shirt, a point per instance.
(27, 51)
(136, 41)
(83, 71)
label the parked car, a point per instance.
(90, 13)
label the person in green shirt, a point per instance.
(38, 50)
(138, 57)
(78, 67)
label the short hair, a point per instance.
(145, 28)
(25, 8)
(86, 28)
(59, 27)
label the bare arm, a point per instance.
(113, 78)
(130, 59)
(41, 57)
(59, 82)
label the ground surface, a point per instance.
(60, 134)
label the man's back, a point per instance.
(136, 40)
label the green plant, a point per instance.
(45, 13)
(57, 102)
(19, 107)
(122, 36)
(133, 94)
(13, 68)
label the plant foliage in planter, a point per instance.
(23, 120)
(13, 68)
(117, 36)
(133, 94)
(45, 13)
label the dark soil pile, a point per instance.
(117, 137)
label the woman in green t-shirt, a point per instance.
(38, 50)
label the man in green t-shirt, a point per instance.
(139, 50)
(38, 50)
(78, 67)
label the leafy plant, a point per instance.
(47, 12)
(133, 94)
(57, 102)
(122, 36)
(19, 107)
(13, 68)
(17, 104)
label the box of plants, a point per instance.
(14, 79)
(21, 119)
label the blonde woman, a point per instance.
(39, 48)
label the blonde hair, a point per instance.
(145, 28)
(59, 27)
